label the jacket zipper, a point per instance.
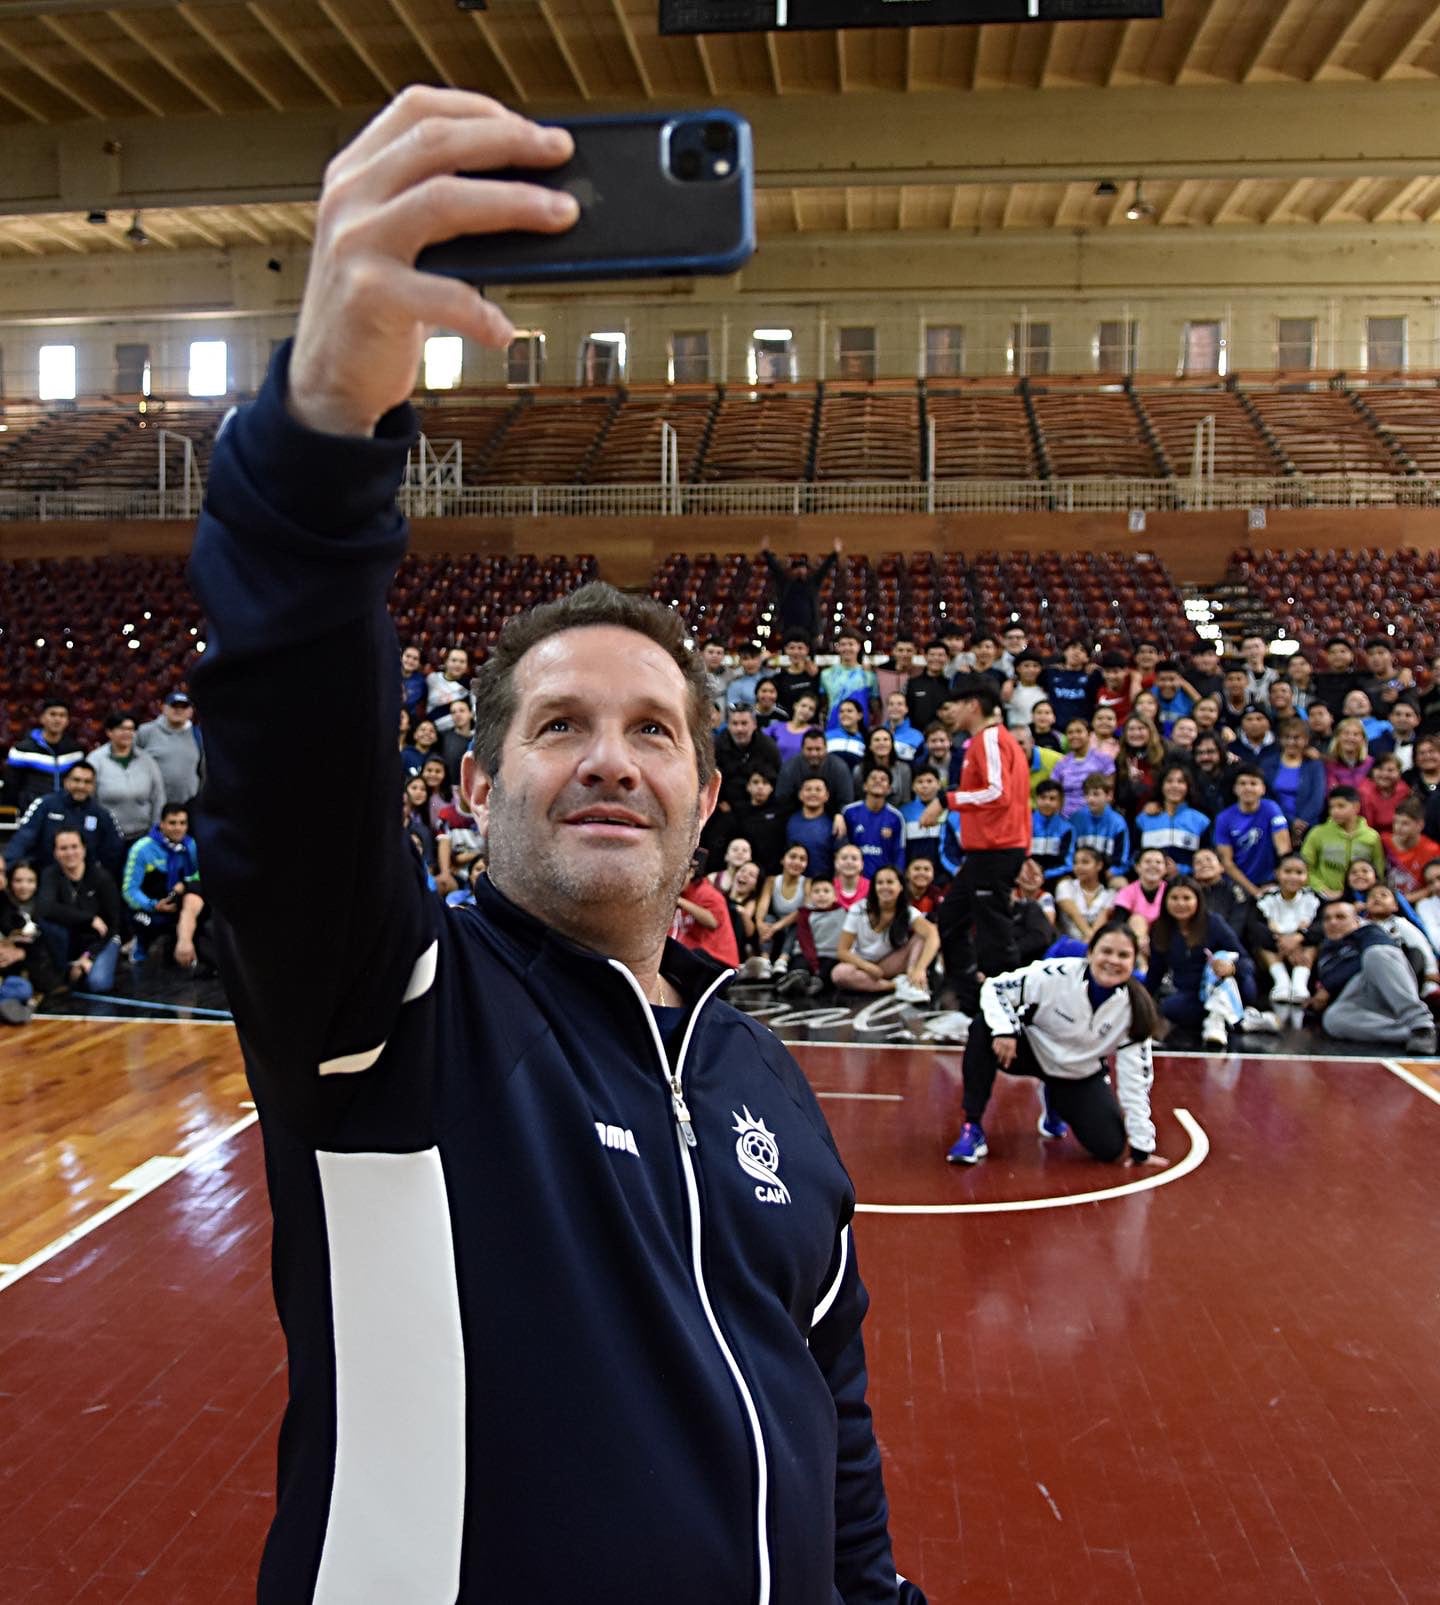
(685, 1142)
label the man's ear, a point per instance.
(709, 796)
(475, 787)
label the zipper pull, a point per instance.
(682, 1114)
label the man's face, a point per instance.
(54, 721)
(1236, 685)
(410, 659)
(985, 652)
(1014, 640)
(1074, 655)
(812, 750)
(877, 786)
(1205, 661)
(750, 662)
(1206, 866)
(1339, 657)
(949, 714)
(847, 649)
(796, 652)
(1255, 727)
(1404, 718)
(176, 713)
(714, 655)
(759, 788)
(1249, 789)
(1427, 757)
(463, 717)
(1381, 661)
(1282, 696)
(122, 737)
(1114, 678)
(897, 709)
(174, 826)
(80, 784)
(70, 852)
(936, 659)
(1253, 650)
(1322, 721)
(741, 725)
(813, 794)
(902, 657)
(457, 662)
(596, 807)
(1339, 918)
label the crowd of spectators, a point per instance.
(1218, 807)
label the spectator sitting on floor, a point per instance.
(1223, 897)
(1359, 879)
(885, 946)
(1331, 848)
(127, 782)
(761, 821)
(1427, 904)
(173, 741)
(1212, 975)
(39, 762)
(817, 941)
(814, 762)
(852, 885)
(1144, 897)
(1172, 822)
(464, 846)
(737, 852)
(448, 685)
(920, 886)
(1383, 909)
(1034, 909)
(1255, 736)
(1381, 792)
(162, 890)
(1367, 991)
(1407, 851)
(24, 952)
(439, 791)
(73, 807)
(781, 900)
(79, 913)
(1082, 899)
(813, 828)
(875, 826)
(702, 918)
(457, 731)
(743, 901)
(424, 743)
(1288, 912)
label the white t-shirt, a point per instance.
(1100, 901)
(441, 692)
(870, 943)
(1288, 918)
(1022, 704)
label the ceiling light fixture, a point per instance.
(1107, 187)
(1139, 208)
(135, 234)
(97, 215)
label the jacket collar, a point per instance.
(688, 971)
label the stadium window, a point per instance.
(1116, 342)
(690, 357)
(57, 373)
(602, 357)
(771, 358)
(1204, 350)
(944, 351)
(1029, 348)
(209, 368)
(525, 358)
(444, 357)
(1385, 343)
(132, 370)
(856, 353)
(1294, 343)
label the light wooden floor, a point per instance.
(83, 1102)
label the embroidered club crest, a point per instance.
(759, 1156)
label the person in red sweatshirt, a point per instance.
(993, 804)
(702, 918)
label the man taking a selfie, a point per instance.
(562, 1244)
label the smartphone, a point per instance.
(661, 194)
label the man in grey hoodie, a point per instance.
(174, 743)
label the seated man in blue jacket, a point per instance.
(1364, 988)
(162, 890)
(562, 1241)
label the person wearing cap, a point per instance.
(174, 743)
(1255, 734)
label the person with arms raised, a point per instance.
(524, 1264)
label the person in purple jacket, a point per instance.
(1078, 764)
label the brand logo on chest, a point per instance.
(758, 1155)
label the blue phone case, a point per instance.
(637, 218)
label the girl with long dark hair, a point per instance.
(1060, 1021)
(885, 945)
(880, 754)
(1213, 975)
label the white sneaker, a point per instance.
(755, 969)
(908, 992)
(1280, 991)
(1259, 1020)
(781, 966)
(1214, 1035)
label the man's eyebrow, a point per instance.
(640, 704)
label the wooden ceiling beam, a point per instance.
(702, 52)
(772, 56)
(423, 42)
(1343, 199)
(1392, 208)
(236, 217)
(9, 235)
(1047, 55)
(1409, 43)
(81, 46)
(1368, 12)
(231, 57)
(291, 47)
(492, 44)
(1286, 201)
(49, 231)
(841, 78)
(186, 80)
(345, 27)
(1188, 36)
(632, 47)
(1263, 40)
(32, 112)
(192, 222)
(1230, 206)
(1127, 33)
(55, 80)
(1177, 206)
(911, 50)
(562, 45)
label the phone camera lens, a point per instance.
(719, 137)
(687, 164)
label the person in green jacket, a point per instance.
(1329, 849)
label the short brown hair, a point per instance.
(596, 604)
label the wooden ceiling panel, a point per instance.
(119, 56)
(89, 92)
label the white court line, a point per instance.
(159, 1170)
(1159, 1049)
(1199, 1149)
(1414, 1080)
(865, 1097)
(128, 1019)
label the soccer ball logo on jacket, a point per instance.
(759, 1157)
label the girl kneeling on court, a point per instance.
(1059, 1021)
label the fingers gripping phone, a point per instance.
(663, 193)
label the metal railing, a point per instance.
(868, 498)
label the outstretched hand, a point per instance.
(393, 190)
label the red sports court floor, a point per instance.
(1225, 1386)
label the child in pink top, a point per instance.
(850, 884)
